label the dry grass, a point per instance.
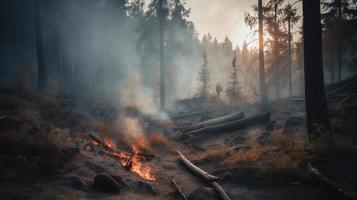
(283, 153)
(158, 140)
(39, 153)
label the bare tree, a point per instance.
(317, 115)
(42, 71)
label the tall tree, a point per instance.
(42, 71)
(162, 68)
(233, 89)
(204, 77)
(291, 18)
(263, 90)
(336, 13)
(317, 116)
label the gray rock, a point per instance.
(106, 184)
(74, 182)
(204, 193)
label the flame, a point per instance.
(134, 161)
(109, 143)
(137, 166)
(93, 142)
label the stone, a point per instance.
(106, 184)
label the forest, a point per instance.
(178, 99)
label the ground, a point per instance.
(273, 167)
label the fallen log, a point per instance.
(192, 114)
(201, 173)
(182, 194)
(211, 122)
(221, 193)
(262, 118)
(329, 183)
(96, 138)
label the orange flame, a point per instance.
(134, 161)
(109, 143)
(137, 166)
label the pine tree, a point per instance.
(233, 91)
(204, 77)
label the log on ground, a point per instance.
(196, 170)
(215, 121)
(262, 118)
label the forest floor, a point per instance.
(41, 156)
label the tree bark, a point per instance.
(276, 51)
(162, 66)
(317, 115)
(339, 41)
(263, 90)
(289, 57)
(42, 74)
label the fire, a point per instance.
(134, 163)
(109, 143)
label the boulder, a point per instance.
(203, 193)
(106, 184)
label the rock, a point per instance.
(204, 193)
(74, 182)
(145, 187)
(295, 121)
(106, 184)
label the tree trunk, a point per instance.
(317, 116)
(339, 41)
(42, 74)
(332, 65)
(276, 51)
(162, 67)
(263, 90)
(289, 57)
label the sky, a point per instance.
(223, 18)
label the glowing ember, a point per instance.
(137, 166)
(109, 143)
(132, 162)
(93, 142)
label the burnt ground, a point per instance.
(73, 172)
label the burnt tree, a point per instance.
(263, 90)
(42, 72)
(317, 115)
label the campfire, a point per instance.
(132, 161)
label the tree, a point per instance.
(42, 71)
(233, 91)
(291, 18)
(317, 116)
(263, 90)
(336, 13)
(204, 77)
